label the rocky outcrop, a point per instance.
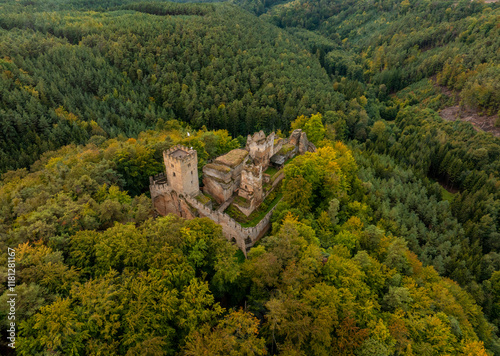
(303, 143)
(296, 144)
(295, 137)
(299, 139)
(222, 177)
(233, 159)
(171, 203)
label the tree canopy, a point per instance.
(385, 241)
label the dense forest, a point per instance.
(120, 72)
(386, 241)
(98, 275)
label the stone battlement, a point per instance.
(180, 153)
(158, 189)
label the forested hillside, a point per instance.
(385, 242)
(68, 75)
(396, 57)
(381, 47)
(396, 43)
(97, 275)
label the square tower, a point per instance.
(181, 165)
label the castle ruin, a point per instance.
(239, 178)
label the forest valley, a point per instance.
(386, 240)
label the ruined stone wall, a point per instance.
(168, 201)
(251, 183)
(260, 148)
(251, 189)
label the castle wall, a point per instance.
(244, 237)
(167, 201)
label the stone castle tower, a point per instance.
(181, 165)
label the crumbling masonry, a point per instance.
(238, 177)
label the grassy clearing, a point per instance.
(242, 202)
(447, 195)
(271, 171)
(255, 217)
